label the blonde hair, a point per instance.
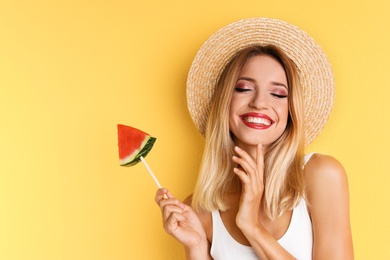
(283, 173)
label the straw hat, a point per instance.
(314, 69)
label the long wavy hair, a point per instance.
(284, 175)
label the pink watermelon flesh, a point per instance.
(132, 144)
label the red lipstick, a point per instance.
(256, 120)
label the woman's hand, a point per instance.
(181, 222)
(251, 174)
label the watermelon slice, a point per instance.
(132, 144)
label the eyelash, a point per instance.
(279, 96)
(241, 90)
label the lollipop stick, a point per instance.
(151, 174)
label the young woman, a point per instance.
(257, 195)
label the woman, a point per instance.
(257, 195)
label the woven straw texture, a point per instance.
(314, 70)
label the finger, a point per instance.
(248, 186)
(245, 161)
(169, 195)
(260, 160)
(173, 201)
(243, 164)
(162, 194)
(259, 154)
(245, 179)
(170, 206)
(245, 156)
(173, 222)
(170, 209)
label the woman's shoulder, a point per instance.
(325, 178)
(321, 166)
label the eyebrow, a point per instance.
(254, 81)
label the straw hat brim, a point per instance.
(314, 70)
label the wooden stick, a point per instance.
(151, 174)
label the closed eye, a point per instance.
(241, 90)
(278, 95)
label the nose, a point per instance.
(259, 101)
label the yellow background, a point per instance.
(70, 70)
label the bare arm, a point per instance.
(181, 222)
(203, 252)
(328, 198)
(265, 245)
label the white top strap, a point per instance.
(307, 158)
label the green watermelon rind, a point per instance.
(136, 156)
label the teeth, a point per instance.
(257, 120)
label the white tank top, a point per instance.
(298, 239)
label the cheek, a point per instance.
(233, 114)
(238, 103)
(232, 117)
(283, 112)
(233, 108)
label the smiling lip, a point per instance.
(256, 120)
